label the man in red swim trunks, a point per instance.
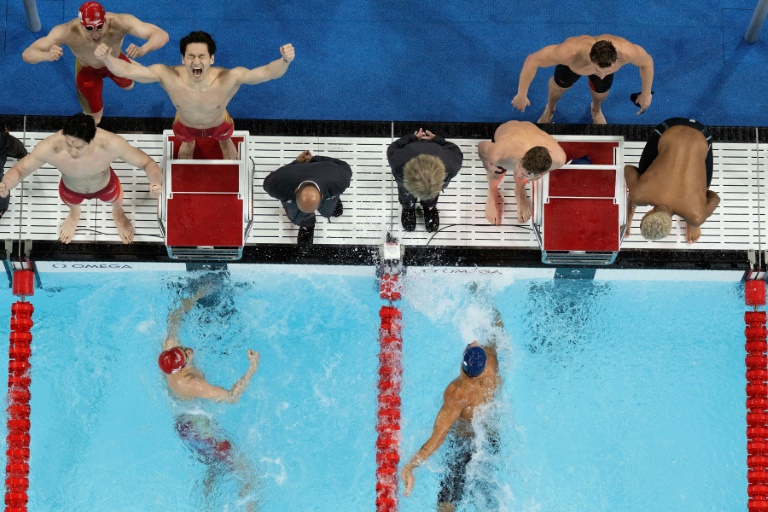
(93, 27)
(83, 154)
(199, 91)
(200, 432)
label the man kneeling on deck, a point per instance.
(673, 176)
(307, 184)
(83, 153)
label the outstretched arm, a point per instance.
(200, 388)
(271, 71)
(547, 56)
(46, 48)
(447, 416)
(155, 36)
(176, 316)
(130, 70)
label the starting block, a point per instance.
(580, 210)
(206, 210)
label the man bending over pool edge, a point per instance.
(186, 381)
(476, 385)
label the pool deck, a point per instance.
(371, 209)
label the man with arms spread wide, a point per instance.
(83, 154)
(94, 27)
(199, 91)
(673, 175)
(525, 149)
(597, 57)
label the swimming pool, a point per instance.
(617, 395)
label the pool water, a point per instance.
(617, 395)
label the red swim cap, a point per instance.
(91, 14)
(172, 360)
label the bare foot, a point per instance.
(546, 116)
(123, 223)
(228, 149)
(523, 208)
(186, 150)
(628, 229)
(692, 234)
(597, 115)
(494, 206)
(68, 227)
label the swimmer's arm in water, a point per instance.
(447, 416)
(176, 316)
(232, 396)
(271, 71)
(47, 48)
(154, 36)
(131, 70)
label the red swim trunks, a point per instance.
(90, 82)
(221, 132)
(109, 194)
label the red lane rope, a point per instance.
(757, 396)
(18, 409)
(390, 374)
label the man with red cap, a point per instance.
(92, 27)
(200, 432)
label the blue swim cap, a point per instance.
(474, 361)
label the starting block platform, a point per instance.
(370, 204)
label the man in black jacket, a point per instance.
(309, 184)
(9, 146)
(423, 164)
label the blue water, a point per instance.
(616, 396)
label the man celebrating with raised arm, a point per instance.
(83, 154)
(94, 27)
(199, 91)
(598, 57)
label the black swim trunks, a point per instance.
(565, 77)
(458, 457)
(651, 150)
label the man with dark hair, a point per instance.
(529, 152)
(673, 176)
(308, 184)
(475, 386)
(423, 164)
(83, 154)
(13, 147)
(199, 91)
(94, 27)
(597, 57)
(200, 432)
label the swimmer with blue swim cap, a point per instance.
(473, 362)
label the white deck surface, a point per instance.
(370, 204)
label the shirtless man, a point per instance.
(598, 57)
(673, 175)
(476, 385)
(199, 91)
(199, 432)
(83, 153)
(529, 152)
(82, 35)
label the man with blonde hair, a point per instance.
(93, 27)
(598, 57)
(525, 149)
(673, 175)
(423, 164)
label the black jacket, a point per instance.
(407, 147)
(331, 175)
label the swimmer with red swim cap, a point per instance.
(199, 90)
(527, 151)
(200, 432)
(476, 385)
(92, 27)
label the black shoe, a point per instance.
(431, 219)
(306, 237)
(408, 218)
(338, 210)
